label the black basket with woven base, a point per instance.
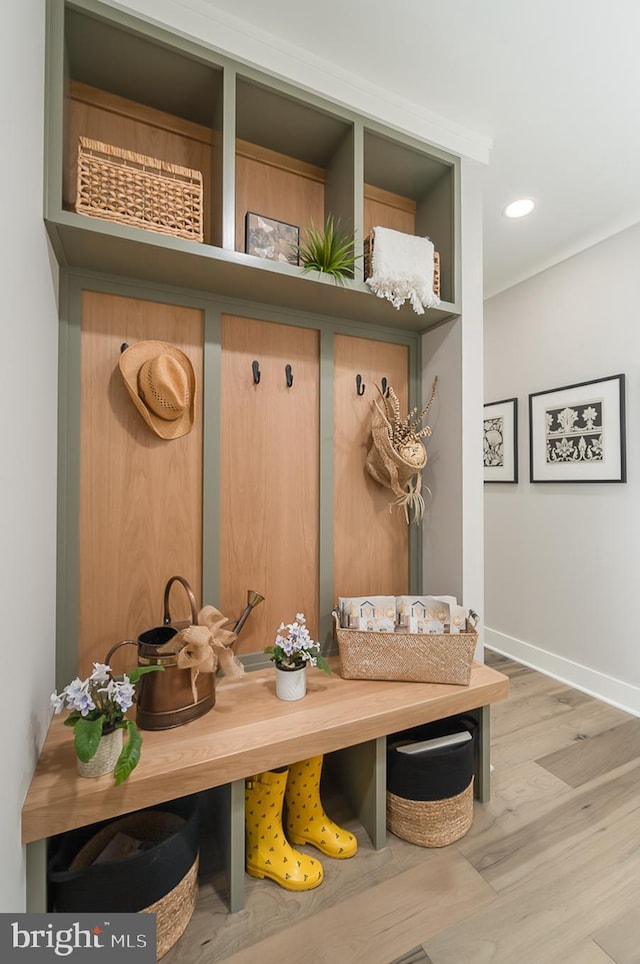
(430, 795)
(159, 879)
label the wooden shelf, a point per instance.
(96, 245)
(247, 731)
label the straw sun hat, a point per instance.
(162, 384)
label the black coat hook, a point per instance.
(360, 387)
(288, 375)
(123, 347)
(385, 387)
(256, 372)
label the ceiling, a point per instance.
(552, 86)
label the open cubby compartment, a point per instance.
(294, 160)
(410, 190)
(138, 95)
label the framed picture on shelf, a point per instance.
(577, 433)
(500, 441)
(268, 238)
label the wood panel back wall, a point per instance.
(371, 544)
(278, 187)
(140, 495)
(269, 490)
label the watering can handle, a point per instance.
(192, 600)
(125, 642)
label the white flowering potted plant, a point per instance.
(292, 652)
(98, 705)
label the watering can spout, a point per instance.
(254, 599)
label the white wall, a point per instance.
(563, 561)
(28, 394)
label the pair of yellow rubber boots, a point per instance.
(270, 833)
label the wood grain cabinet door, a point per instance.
(269, 471)
(371, 542)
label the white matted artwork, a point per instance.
(577, 433)
(500, 441)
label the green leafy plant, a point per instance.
(98, 704)
(330, 250)
(294, 647)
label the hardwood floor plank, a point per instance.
(555, 906)
(509, 859)
(416, 956)
(375, 926)
(587, 952)
(519, 797)
(545, 703)
(581, 762)
(543, 737)
(621, 938)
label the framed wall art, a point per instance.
(577, 433)
(500, 441)
(268, 238)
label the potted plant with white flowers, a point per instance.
(98, 705)
(292, 652)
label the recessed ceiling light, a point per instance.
(518, 209)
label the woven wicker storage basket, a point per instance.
(430, 794)
(368, 251)
(160, 880)
(134, 189)
(431, 823)
(410, 657)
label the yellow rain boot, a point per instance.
(268, 853)
(305, 819)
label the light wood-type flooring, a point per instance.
(548, 874)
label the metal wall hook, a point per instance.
(288, 375)
(385, 387)
(360, 386)
(256, 372)
(123, 347)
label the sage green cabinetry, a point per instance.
(146, 79)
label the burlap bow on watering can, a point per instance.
(203, 647)
(397, 455)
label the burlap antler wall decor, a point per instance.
(398, 455)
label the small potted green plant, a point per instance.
(330, 251)
(98, 705)
(291, 653)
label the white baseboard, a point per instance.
(622, 695)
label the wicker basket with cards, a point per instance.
(406, 639)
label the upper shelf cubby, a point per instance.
(136, 95)
(133, 66)
(411, 191)
(294, 162)
(260, 145)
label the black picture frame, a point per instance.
(500, 440)
(577, 433)
(271, 239)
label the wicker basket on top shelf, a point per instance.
(134, 189)
(368, 252)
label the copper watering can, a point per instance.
(167, 699)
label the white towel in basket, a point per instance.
(402, 269)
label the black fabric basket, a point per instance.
(126, 885)
(430, 795)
